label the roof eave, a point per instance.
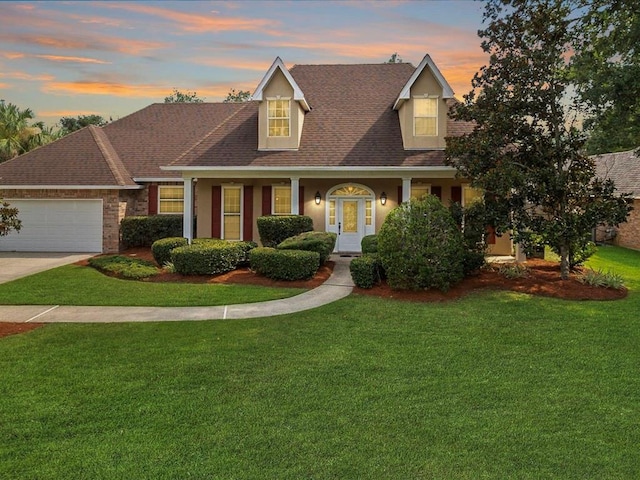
(405, 93)
(278, 64)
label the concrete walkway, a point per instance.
(15, 265)
(337, 286)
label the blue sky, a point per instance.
(113, 58)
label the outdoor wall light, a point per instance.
(318, 198)
(383, 198)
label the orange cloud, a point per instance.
(66, 113)
(63, 58)
(87, 87)
(4, 85)
(13, 55)
(258, 66)
(27, 76)
(197, 22)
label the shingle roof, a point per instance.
(623, 168)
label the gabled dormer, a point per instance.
(282, 109)
(422, 108)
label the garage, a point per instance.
(54, 225)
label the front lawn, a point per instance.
(495, 385)
(77, 285)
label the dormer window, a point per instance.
(279, 115)
(425, 117)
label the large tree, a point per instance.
(18, 134)
(71, 124)
(183, 97)
(525, 151)
(237, 96)
(607, 72)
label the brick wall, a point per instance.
(629, 232)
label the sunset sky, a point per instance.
(113, 58)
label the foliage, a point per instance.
(183, 97)
(513, 270)
(284, 264)
(321, 242)
(366, 271)
(598, 278)
(579, 252)
(369, 244)
(18, 134)
(71, 124)
(207, 258)
(473, 221)
(125, 267)
(395, 58)
(273, 229)
(161, 249)
(142, 231)
(9, 220)
(525, 151)
(606, 71)
(237, 97)
(421, 246)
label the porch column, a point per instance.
(187, 212)
(406, 189)
(295, 203)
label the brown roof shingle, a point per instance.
(623, 168)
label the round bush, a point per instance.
(161, 249)
(273, 229)
(369, 244)
(321, 242)
(284, 264)
(420, 246)
(366, 271)
(206, 258)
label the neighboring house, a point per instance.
(624, 169)
(343, 144)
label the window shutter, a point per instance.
(152, 208)
(399, 194)
(216, 211)
(491, 235)
(456, 194)
(301, 200)
(437, 191)
(266, 200)
(247, 227)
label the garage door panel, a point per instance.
(56, 226)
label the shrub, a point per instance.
(421, 246)
(473, 221)
(369, 244)
(161, 249)
(207, 258)
(513, 270)
(284, 264)
(579, 251)
(321, 242)
(125, 267)
(273, 229)
(366, 271)
(598, 278)
(142, 231)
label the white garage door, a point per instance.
(56, 226)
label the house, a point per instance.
(343, 144)
(624, 169)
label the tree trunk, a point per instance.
(564, 262)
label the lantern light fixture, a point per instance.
(318, 197)
(383, 198)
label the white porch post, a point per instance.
(295, 195)
(187, 212)
(406, 189)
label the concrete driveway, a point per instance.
(21, 264)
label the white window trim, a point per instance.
(423, 185)
(273, 198)
(275, 118)
(160, 188)
(241, 215)
(422, 97)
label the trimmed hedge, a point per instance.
(366, 271)
(284, 264)
(142, 231)
(321, 242)
(274, 229)
(125, 267)
(161, 249)
(207, 257)
(369, 244)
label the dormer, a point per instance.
(282, 109)
(422, 108)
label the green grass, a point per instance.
(76, 285)
(496, 385)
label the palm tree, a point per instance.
(17, 134)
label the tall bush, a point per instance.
(420, 246)
(273, 229)
(142, 231)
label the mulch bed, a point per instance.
(543, 279)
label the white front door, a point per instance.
(350, 213)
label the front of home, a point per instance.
(343, 144)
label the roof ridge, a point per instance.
(114, 162)
(211, 132)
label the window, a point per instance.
(171, 199)
(232, 212)
(332, 212)
(279, 114)
(368, 209)
(281, 200)
(419, 191)
(425, 117)
(471, 195)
